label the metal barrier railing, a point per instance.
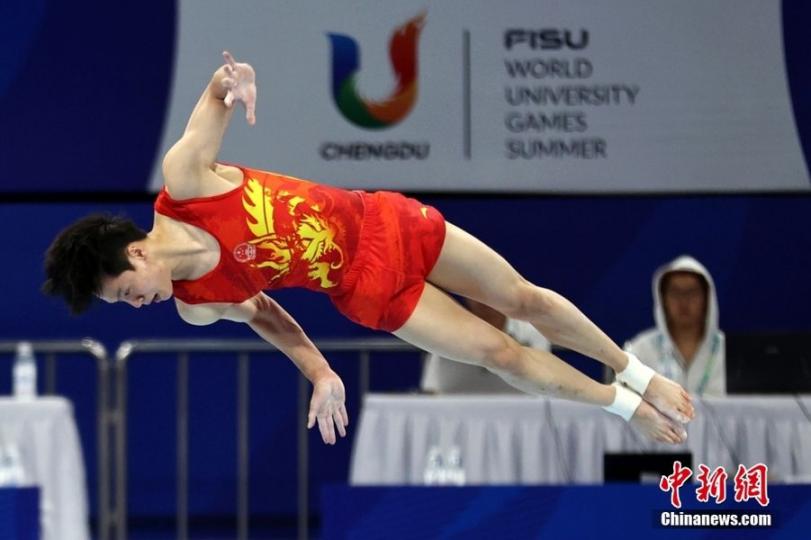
(243, 349)
(104, 421)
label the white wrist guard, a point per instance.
(625, 402)
(636, 375)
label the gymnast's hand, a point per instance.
(327, 406)
(240, 85)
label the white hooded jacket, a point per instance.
(706, 376)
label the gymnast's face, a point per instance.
(149, 281)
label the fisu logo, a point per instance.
(346, 66)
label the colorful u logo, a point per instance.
(345, 68)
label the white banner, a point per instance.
(520, 95)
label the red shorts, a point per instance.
(400, 241)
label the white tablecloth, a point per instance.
(43, 433)
(531, 440)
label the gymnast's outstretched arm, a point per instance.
(273, 324)
(193, 156)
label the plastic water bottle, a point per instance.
(434, 468)
(25, 372)
(455, 469)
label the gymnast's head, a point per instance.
(106, 257)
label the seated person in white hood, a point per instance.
(443, 376)
(686, 346)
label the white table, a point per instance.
(43, 433)
(531, 440)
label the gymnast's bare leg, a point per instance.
(440, 325)
(468, 267)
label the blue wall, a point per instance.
(83, 88)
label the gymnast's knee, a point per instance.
(526, 301)
(502, 354)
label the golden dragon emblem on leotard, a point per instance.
(299, 234)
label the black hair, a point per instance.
(86, 252)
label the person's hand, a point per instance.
(240, 85)
(327, 407)
(657, 426)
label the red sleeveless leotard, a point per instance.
(369, 252)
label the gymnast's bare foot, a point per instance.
(670, 399)
(656, 426)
